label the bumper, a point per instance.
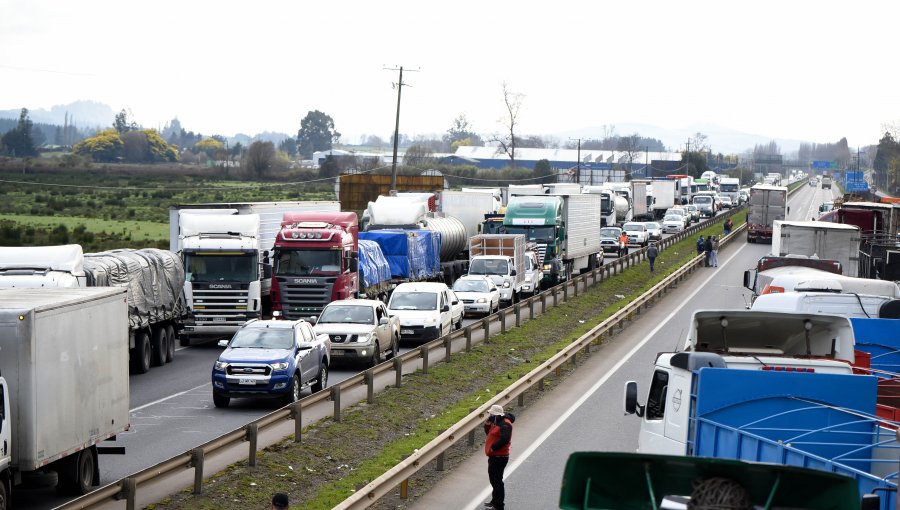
(419, 332)
(210, 330)
(477, 308)
(672, 230)
(352, 352)
(276, 385)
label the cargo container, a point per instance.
(767, 204)
(818, 239)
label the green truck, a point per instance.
(563, 225)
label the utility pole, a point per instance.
(647, 162)
(687, 158)
(399, 86)
(578, 165)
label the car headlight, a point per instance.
(546, 267)
(220, 366)
(505, 285)
(429, 320)
(363, 338)
(280, 366)
(481, 300)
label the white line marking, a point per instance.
(167, 398)
(478, 502)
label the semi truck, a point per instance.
(470, 207)
(154, 280)
(563, 227)
(826, 182)
(664, 193)
(767, 204)
(415, 214)
(613, 208)
(64, 384)
(818, 239)
(730, 187)
(225, 248)
(501, 257)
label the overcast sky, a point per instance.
(810, 70)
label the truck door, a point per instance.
(652, 438)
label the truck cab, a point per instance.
(315, 262)
(794, 342)
(47, 266)
(539, 219)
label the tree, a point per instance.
(19, 141)
(513, 103)
(135, 146)
(289, 147)
(460, 133)
(329, 167)
(542, 168)
(259, 158)
(316, 133)
(121, 123)
(631, 146)
(417, 156)
(106, 145)
(888, 151)
(210, 146)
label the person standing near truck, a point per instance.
(498, 428)
(714, 252)
(652, 253)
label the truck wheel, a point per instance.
(322, 382)
(376, 356)
(170, 343)
(220, 400)
(141, 353)
(158, 346)
(293, 393)
(77, 475)
(395, 347)
(4, 500)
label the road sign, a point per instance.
(824, 164)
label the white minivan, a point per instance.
(427, 310)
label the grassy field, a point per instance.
(336, 459)
(135, 229)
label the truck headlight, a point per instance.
(279, 366)
(364, 337)
(220, 366)
(505, 285)
(429, 320)
(546, 267)
(481, 300)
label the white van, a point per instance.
(427, 310)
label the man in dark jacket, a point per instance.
(700, 245)
(498, 428)
(652, 253)
(707, 248)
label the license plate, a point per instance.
(218, 319)
(247, 381)
(406, 331)
(335, 352)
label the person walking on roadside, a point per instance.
(707, 249)
(280, 501)
(652, 253)
(714, 252)
(701, 244)
(554, 271)
(498, 428)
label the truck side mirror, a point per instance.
(512, 273)
(631, 403)
(265, 256)
(267, 270)
(748, 279)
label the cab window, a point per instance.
(656, 400)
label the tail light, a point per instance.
(773, 289)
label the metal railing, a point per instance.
(429, 353)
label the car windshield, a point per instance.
(263, 338)
(653, 226)
(672, 217)
(609, 232)
(466, 285)
(489, 266)
(413, 301)
(347, 314)
(702, 200)
(633, 227)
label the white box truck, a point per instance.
(767, 204)
(64, 368)
(225, 248)
(664, 194)
(501, 257)
(824, 240)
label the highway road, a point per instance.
(585, 413)
(172, 412)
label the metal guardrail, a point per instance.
(126, 488)
(467, 426)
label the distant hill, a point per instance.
(82, 113)
(721, 139)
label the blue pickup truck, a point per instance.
(271, 359)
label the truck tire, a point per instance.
(322, 382)
(4, 496)
(376, 356)
(158, 346)
(293, 393)
(170, 343)
(220, 400)
(140, 355)
(77, 475)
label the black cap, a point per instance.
(280, 500)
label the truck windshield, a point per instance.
(728, 187)
(263, 338)
(489, 266)
(605, 205)
(413, 301)
(347, 314)
(541, 234)
(212, 267)
(609, 232)
(307, 262)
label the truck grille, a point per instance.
(542, 252)
(339, 339)
(220, 307)
(299, 300)
(248, 370)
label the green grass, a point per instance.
(135, 229)
(371, 439)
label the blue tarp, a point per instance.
(373, 267)
(411, 254)
(881, 339)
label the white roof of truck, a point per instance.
(816, 225)
(67, 258)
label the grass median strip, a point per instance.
(336, 459)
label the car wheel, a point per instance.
(220, 400)
(395, 348)
(293, 393)
(376, 355)
(322, 382)
(458, 325)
